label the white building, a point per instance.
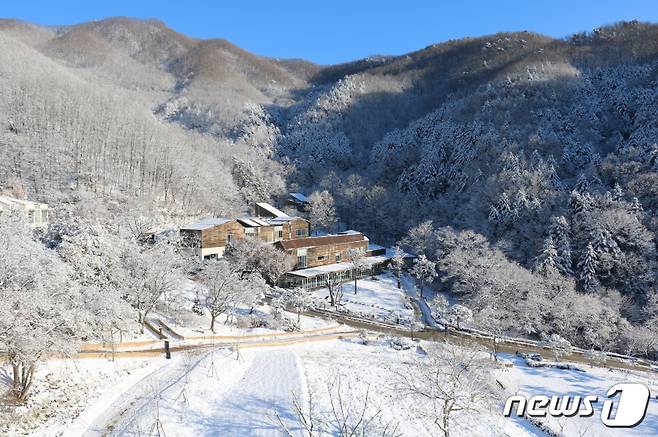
(36, 213)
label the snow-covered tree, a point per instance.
(153, 273)
(587, 266)
(617, 193)
(548, 260)
(458, 314)
(447, 381)
(300, 299)
(558, 346)
(334, 287)
(559, 233)
(225, 287)
(356, 258)
(439, 306)
(397, 263)
(42, 311)
(424, 271)
(321, 210)
(252, 255)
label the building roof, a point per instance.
(321, 241)
(312, 272)
(248, 222)
(299, 197)
(205, 224)
(10, 201)
(272, 210)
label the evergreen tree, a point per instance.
(582, 185)
(559, 232)
(587, 267)
(617, 193)
(636, 206)
(578, 203)
(548, 259)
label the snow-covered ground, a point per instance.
(66, 390)
(377, 298)
(594, 381)
(240, 393)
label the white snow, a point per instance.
(595, 381)
(377, 298)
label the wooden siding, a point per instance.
(322, 255)
(290, 229)
(217, 235)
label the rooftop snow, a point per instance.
(299, 196)
(205, 224)
(337, 267)
(321, 241)
(249, 222)
(272, 210)
(11, 201)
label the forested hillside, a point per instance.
(527, 167)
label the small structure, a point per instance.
(36, 213)
(298, 200)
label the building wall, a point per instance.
(327, 253)
(290, 229)
(217, 236)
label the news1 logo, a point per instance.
(626, 407)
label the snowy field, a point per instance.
(376, 299)
(250, 392)
(67, 390)
(595, 381)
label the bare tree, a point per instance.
(397, 263)
(334, 286)
(152, 273)
(447, 381)
(225, 287)
(348, 415)
(356, 258)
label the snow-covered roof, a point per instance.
(272, 210)
(260, 221)
(348, 232)
(299, 197)
(10, 201)
(248, 222)
(205, 224)
(373, 246)
(297, 243)
(312, 272)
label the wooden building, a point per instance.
(208, 238)
(323, 250)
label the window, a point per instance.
(300, 232)
(302, 260)
(229, 238)
(337, 257)
(278, 233)
(321, 258)
(250, 232)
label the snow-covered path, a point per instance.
(266, 387)
(217, 393)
